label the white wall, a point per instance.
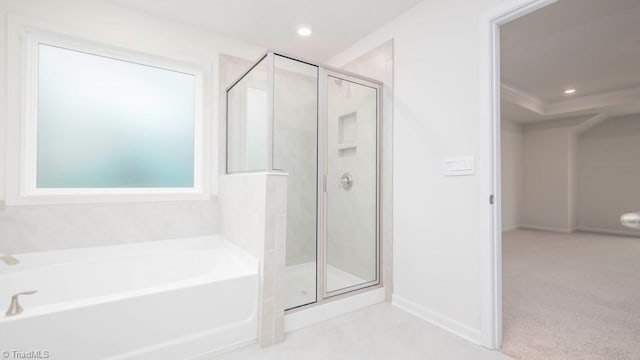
(29, 228)
(608, 170)
(546, 182)
(539, 185)
(512, 173)
(440, 223)
(574, 175)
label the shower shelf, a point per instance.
(347, 146)
(347, 150)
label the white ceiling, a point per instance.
(590, 45)
(273, 23)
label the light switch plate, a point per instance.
(459, 166)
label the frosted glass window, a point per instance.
(109, 123)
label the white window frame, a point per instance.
(23, 191)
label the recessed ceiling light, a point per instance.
(570, 91)
(304, 31)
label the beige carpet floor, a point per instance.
(571, 296)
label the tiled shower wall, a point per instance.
(295, 142)
(379, 64)
(254, 217)
(351, 213)
(295, 149)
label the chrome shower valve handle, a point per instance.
(346, 181)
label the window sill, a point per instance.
(87, 196)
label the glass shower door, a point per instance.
(322, 128)
(351, 167)
(295, 148)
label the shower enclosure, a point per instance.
(321, 126)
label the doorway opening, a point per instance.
(566, 131)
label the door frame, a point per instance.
(491, 260)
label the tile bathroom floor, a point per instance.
(375, 333)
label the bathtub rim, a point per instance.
(250, 269)
(104, 251)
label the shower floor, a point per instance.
(301, 282)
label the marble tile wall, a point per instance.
(295, 152)
(28, 228)
(351, 212)
(254, 217)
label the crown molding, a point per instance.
(575, 105)
(590, 123)
(594, 102)
(522, 98)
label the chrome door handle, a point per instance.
(14, 307)
(631, 220)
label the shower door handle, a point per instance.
(631, 220)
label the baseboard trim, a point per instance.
(446, 323)
(546, 228)
(609, 231)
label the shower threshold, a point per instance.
(301, 282)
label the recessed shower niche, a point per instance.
(321, 126)
(347, 134)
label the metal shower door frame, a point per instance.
(323, 121)
(324, 72)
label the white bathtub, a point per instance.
(174, 299)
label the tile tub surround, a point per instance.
(53, 227)
(29, 228)
(254, 217)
